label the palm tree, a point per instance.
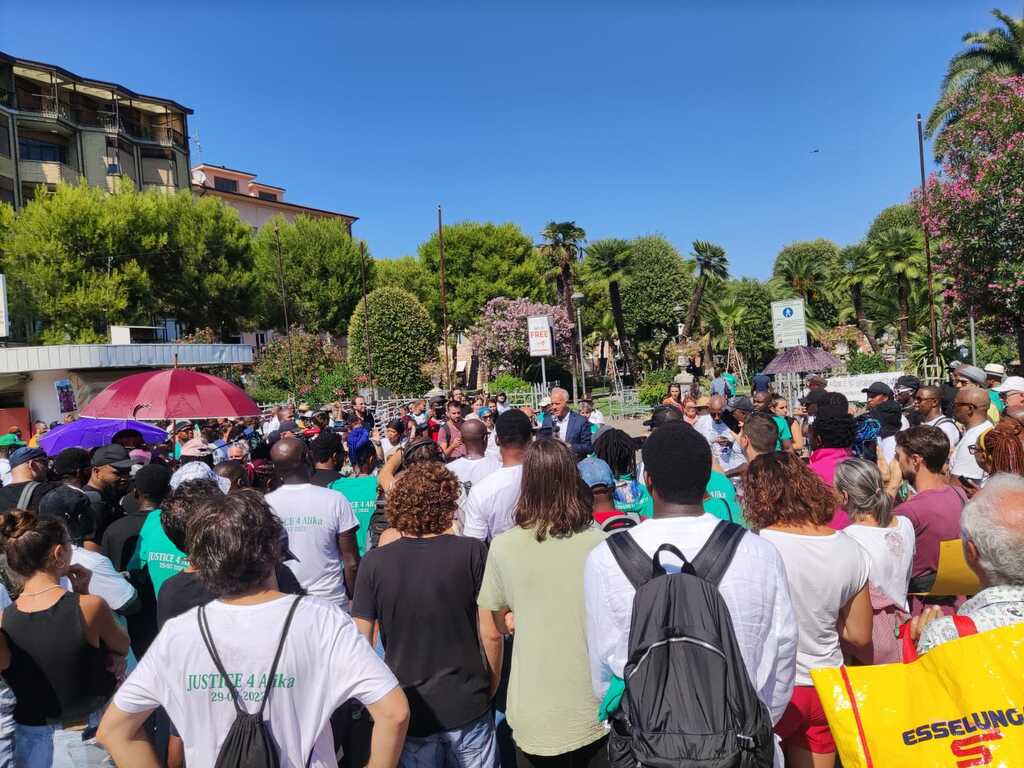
(898, 253)
(802, 273)
(608, 260)
(563, 250)
(711, 263)
(998, 51)
(857, 275)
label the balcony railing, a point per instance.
(47, 106)
(6, 99)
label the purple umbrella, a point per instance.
(801, 360)
(90, 433)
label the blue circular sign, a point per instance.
(787, 312)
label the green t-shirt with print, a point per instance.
(156, 553)
(361, 493)
(722, 501)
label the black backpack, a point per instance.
(688, 700)
(248, 743)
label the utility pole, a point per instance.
(444, 306)
(932, 325)
(366, 321)
(284, 307)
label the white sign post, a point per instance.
(541, 341)
(789, 327)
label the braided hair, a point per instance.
(618, 450)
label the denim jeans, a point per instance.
(50, 746)
(472, 746)
(6, 727)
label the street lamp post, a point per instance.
(577, 298)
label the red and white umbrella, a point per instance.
(171, 394)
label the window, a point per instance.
(42, 151)
(225, 185)
(266, 195)
(5, 139)
(6, 190)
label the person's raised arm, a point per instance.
(390, 722)
(123, 735)
(386, 476)
(348, 548)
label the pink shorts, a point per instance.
(803, 724)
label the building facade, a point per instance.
(56, 126)
(255, 201)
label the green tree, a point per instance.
(856, 275)
(609, 261)
(898, 254)
(900, 215)
(410, 275)
(321, 267)
(563, 250)
(711, 263)
(656, 291)
(81, 259)
(999, 51)
(482, 261)
(754, 336)
(403, 339)
(806, 269)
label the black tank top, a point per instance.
(56, 675)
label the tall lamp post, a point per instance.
(577, 298)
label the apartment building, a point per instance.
(56, 126)
(255, 201)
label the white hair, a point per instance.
(994, 521)
(862, 482)
(563, 392)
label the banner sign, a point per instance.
(538, 328)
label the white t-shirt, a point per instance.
(729, 456)
(490, 505)
(106, 581)
(325, 662)
(314, 518)
(887, 445)
(753, 587)
(964, 464)
(891, 551)
(472, 471)
(948, 426)
(5, 472)
(824, 573)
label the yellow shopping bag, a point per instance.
(958, 706)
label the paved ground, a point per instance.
(632, 427)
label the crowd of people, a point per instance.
(476, 584)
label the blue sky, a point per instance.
(691, 120)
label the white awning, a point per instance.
(85, 356)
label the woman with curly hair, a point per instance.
(535, 572)
(421, 591)
(828, 582)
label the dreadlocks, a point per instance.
(617, 449)
(1005, 451)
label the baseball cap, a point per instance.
(544, 402)
(663, 414)
(908, 383)
(288, 426)
(954, 364)
(596, 472)
(995, 369)
(1012, 384)
(70, 461)
(704, 401)
(114, 455)
(814, 397)
(196, 447)
(181, 426)
(741, 404)
(878, 388)
(484, 412)
(24, 454)
(71, 506)
(9, 440)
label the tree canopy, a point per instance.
(657, 290)
(403, 338)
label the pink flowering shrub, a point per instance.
(976, 204)
(500, 333)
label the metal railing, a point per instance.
(48, 106)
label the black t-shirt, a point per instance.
(423, 592)
(11, 494)
(105, 509)
(324, 477)
(120, 538)
(184, 591)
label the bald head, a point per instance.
(971, 406)
(717, 403)
(474, 437)
(289, 457)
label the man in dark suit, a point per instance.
(566, 424)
